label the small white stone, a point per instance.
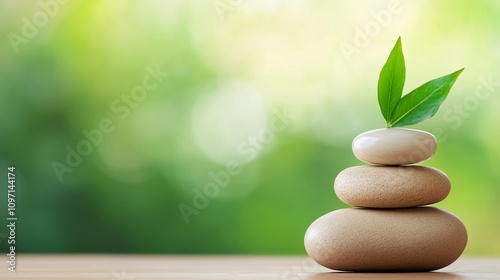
(394, 146)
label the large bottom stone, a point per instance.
(410, 239)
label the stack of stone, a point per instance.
(391, 230)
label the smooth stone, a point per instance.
(381, 186)
(394, 146)
(409, 239)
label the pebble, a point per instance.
(394, 146)
(409, 239)
(382, 186)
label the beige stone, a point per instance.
(383, 186)
(394, 146)
(409, 239)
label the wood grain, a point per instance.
(136, 267)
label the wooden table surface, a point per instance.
(136, 267)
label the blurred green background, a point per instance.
(236, 69)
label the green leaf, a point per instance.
(391, 81)
(423, 102)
